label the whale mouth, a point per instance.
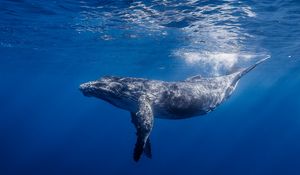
(90, 89)
(87, 89)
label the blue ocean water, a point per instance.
(48, 48)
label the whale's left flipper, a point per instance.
(143, 122)
(147, 149)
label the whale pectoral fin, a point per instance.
(147, 149)
(143, 122)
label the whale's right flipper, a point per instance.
(143, 122)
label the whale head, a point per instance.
(108, 88)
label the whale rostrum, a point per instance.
(146, 99)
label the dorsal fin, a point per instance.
(194, 78)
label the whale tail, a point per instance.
(248, 69)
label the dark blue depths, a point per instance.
(48, 48)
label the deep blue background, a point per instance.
(48, 127)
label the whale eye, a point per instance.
(115, 85)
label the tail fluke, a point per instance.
(246, 70)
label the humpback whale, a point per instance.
(146, 99)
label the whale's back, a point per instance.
(220, 81)
(217, 89)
